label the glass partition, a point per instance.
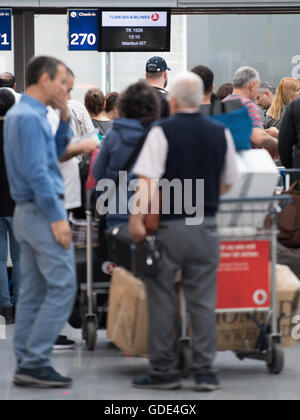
(226, 42)
(88, 66)
(222, 42)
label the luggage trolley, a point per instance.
(286, 175)
(94, 275)
(251, 221)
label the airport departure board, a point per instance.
(134, 30)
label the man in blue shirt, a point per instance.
(48, 283)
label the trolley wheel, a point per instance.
(84, 332)
(91, 335)
(84, 311)
(184, 357)
(276, 364)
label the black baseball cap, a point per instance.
(156, 65)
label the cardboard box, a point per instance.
(127, 316)
(259, 177)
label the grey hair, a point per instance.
(188, 90)
(265, 86)
(244, 76)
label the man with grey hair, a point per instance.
(246, 84)
(265, 97)
(186, 146)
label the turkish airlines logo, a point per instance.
(155, 17)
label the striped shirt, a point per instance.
(253, 109)
(81, 125)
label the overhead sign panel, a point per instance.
(5, 30)
(134, 30)
(151, 19)
(83, 29)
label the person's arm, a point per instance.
(64, 133)
(149, 167)
(273, 131)
(137, 225)
(261, 138)
(85, 147)
(287, 138)
(230, 173)
(63, 137)
(35, 162)
(225, 188)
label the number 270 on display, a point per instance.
(81, 39)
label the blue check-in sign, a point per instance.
(5, 30)
(83, 29)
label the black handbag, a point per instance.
(142, 258)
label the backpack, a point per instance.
(289, 219)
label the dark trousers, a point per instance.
(194, 250)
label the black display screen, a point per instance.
(134, 30)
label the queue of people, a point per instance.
(47, 136)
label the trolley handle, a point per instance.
(90, 199)
(290, 171)
(287, 174)
(286, 198)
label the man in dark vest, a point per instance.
(187, 146)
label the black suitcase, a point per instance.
(142, 259)
(119, 246)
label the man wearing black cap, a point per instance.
(157, 76)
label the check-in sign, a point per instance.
(83, 29)
(5, 30)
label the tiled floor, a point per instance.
(106, 374)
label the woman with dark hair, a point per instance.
(138, 108)
(111, 109)
(224, 91)
(95, 103)
(7, 303)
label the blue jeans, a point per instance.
(6, 231)
(47, 291)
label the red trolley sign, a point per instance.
(243, 276)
